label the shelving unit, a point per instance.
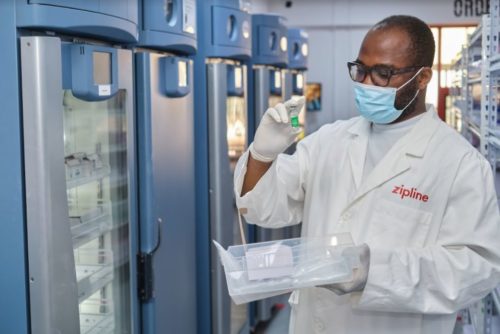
(97, 318)
(481, 61)
(454, 116)
(89, 225)
(94, 270)
(473, 65)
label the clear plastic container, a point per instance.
(260, 270)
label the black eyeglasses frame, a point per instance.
(369, 69)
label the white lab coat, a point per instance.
(430, 256)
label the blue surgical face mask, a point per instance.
(376, 103)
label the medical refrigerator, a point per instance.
(75, 103)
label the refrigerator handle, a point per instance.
(159, 222)
(145, 274)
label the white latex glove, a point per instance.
(275, 132)
(360, 274)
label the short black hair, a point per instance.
(422, 45)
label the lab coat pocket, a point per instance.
(395, 225)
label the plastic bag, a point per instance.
(261, 270)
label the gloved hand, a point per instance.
(275, 133)
(360, 274)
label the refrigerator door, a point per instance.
(165, 139)
(266, 78)
(227, 141)
(79, 174)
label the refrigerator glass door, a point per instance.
(95, 149)
(236, 127)
(274, 100)
(236, 143)
(79, 176)
(227, 125)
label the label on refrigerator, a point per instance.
(182, 73)
(238, 77)
(189, 16)
(277, 79)
(104, 90)
(300, 81)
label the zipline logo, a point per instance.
(409, 193)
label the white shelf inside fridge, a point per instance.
(96, 324)
(94, 270)
(96, 175)
(117, 181)
(96, 317)
(116, 148)
(83, 168)
(89, 225)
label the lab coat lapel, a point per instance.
(357, 149)
(399, 158)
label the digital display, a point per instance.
(102, 68)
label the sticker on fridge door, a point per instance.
(238, 77)
(189, 16)
(182, 67)
(104, 90)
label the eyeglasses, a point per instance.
(380, 74)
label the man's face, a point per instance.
(391, 48)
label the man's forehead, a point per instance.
(386, 46)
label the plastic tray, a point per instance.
(260, 270)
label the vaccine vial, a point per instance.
(294, 116)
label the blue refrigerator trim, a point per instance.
(67, 20)
(133, 156)
(14, 313)
(202, 199)
(203, 286)
(147, 243)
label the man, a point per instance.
(418, 200)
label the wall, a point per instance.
(260, 6)
(336, 29)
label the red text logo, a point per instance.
(410, 193)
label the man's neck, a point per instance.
(417, 110)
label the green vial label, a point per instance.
(295, 121)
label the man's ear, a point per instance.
(424, 77)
